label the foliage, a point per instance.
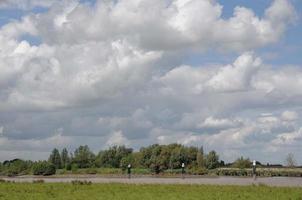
(83, 157)
(65, 159)
(162, 157)
(113, 156)
(200, 158)
(242, 163)
(125, 161)
(155, 159)
(15, 167)
(212, 160)
(79, 182)
(55, 158)
(261, 172)
(43, 168)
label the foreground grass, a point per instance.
(60, 191)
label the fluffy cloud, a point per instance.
(117, 138)
(289, 115)
(112, 73)
(238, 76)
(176, 25)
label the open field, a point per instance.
(66, 191)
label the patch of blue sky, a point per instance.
(32, 40)
(89, 2)
(210, 57)
(7, 15)
(258, 6)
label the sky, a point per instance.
(222, 74)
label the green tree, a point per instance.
(212, 160)
(242, 163)
(83, 157)
(113, 156)
(125, 161)
(65, 158)
(200, 158)
(55, 158)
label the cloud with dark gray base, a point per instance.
(112, 73)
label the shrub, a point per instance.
(262, 172)
(50, 170)
(43, 168)
(79, 182)
(38, 181)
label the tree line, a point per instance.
(156, 158)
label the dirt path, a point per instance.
(273, 181)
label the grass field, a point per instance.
(60, 191)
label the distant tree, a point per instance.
(83, 157)
(65, 158)
(200, 158)
(190, 156)
(161, 157)
(55, 158)
(242, 163)
(146, 154)
(125, 161)
(155, 162)
(113, 156)
(212, 160)
(290, 160)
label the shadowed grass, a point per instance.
(61, 191)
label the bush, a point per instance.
(44, 168)
(197, 171)
(39, 181)
(78, 182)
(262, 172)
(50, 170)
(15, 167)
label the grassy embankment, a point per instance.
(60, 191)
(262, 172)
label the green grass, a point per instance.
(60, 191)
